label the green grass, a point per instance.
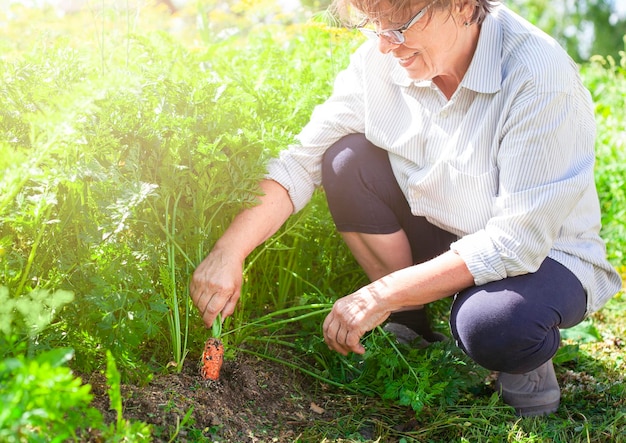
(121, 167)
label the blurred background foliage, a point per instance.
(584, 27)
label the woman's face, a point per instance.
(435, 45)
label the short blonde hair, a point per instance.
(352, 12)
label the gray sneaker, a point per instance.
(534, 393)
(407, 336)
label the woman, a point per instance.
(457, 155)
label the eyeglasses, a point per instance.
(395, 36)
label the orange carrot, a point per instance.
(212, 359)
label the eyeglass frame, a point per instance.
(395, 36)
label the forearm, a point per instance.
(433, 280)
(254, 225)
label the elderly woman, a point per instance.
(457, 155)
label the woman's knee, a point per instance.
(501, 332)
(344, 160)
(361, 190)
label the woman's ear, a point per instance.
(466, 9)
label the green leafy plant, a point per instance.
(42, 401)
(606, 79)
(40, 395)
(122, 430)
(168, 278)
(23, 318)
(419, 378)
(434, 376)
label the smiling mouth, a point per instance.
(405, 61)
(409, 57)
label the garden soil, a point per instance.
(254, 400)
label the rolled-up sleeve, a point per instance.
(298, 168)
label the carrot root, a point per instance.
(212, 359)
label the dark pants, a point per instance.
(511, 325)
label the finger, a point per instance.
(326, 326)
(229, 307)
(198, 293)
(348, 340)
(211, 310)
(200, 301)
(206, 306)
(338, 341)
(341, 339)
(334, 346)
(330, 329)
(341, 336)
(353, 342)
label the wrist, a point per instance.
(383, 295)
(227, 252)
(398, 291)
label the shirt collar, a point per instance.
(484, 74)
(485, 71)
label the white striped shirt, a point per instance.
(506, 164)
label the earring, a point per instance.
(467, 24)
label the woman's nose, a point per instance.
(385, 46)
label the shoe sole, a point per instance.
(538, 411)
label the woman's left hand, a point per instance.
(351, 317)
(355, 314)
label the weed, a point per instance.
(122, 429)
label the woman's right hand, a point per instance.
(216, 285)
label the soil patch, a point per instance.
(253, 401)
